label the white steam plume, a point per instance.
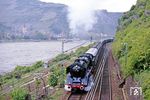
(81, 15)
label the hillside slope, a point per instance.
(27, 17)
(36, 19)
(132, 46)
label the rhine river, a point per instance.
(26, 53)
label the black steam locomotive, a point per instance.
(79, 74)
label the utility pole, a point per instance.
(62, 46)
(91, 39)
(63, 41)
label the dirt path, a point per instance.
(115, 81)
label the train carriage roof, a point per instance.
(92, 51)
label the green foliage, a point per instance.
(61, 57)
(19, 94)
(37, 82)
(1, 82)
(26, 69)
(144, 79)
(82, 50)
(19, 70)
(137, 35)
(62, 76)
(57, 76)
(38, 65)
(53, 80)
(8, 76)
(132, 8)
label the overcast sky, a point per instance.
(110, 5)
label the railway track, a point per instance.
(75, 97)
(106, 85)
(95, 93)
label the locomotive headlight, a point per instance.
(68, 87)
(81, 87)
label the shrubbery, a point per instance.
(144, 79)
(61, 57)
(82, 50)
(57, 75)
(19, 70)
(26, 69)
(53, 80)
(137, 35)
(19, 94)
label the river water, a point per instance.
(25, 53)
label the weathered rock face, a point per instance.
(39, 20)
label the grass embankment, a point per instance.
(18, 77)
(57, 65)
(19, 71)
(132, 44)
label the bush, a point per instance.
(144, 79)
(132, 8)
(26, 69)
(8, 76)
(57, 76)
(19, 94)
(81, 50)
(53, 80)
(38, 65)
(19, 70)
